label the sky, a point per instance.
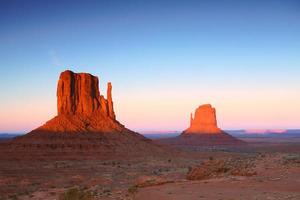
(164, 59)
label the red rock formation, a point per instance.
(204, 122)
(85, 125)
(81, 108)
(111, 112)
(78, 93)
(203, 131)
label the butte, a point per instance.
(203, 131)
(85, 126)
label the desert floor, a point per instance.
(275, 163)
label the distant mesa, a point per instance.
(203, 131)
(265, 131)
(204, 121)
(85, 126)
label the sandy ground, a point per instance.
(276, 164)
(274, 180)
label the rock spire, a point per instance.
(111, 112)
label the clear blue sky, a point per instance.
(164, 59)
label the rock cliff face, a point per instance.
(85, 126)
(78, 93)
(204, 122)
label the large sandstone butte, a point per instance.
(203, 131)
(81, 108)
(85, 126)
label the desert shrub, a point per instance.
(14, 197)
(107, 191)
(291, 159)
(76, 194)
(133, 189)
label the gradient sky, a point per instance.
(164, 59)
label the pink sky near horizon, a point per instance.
(153, 110)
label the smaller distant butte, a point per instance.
(203, 131)
(204, 121)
